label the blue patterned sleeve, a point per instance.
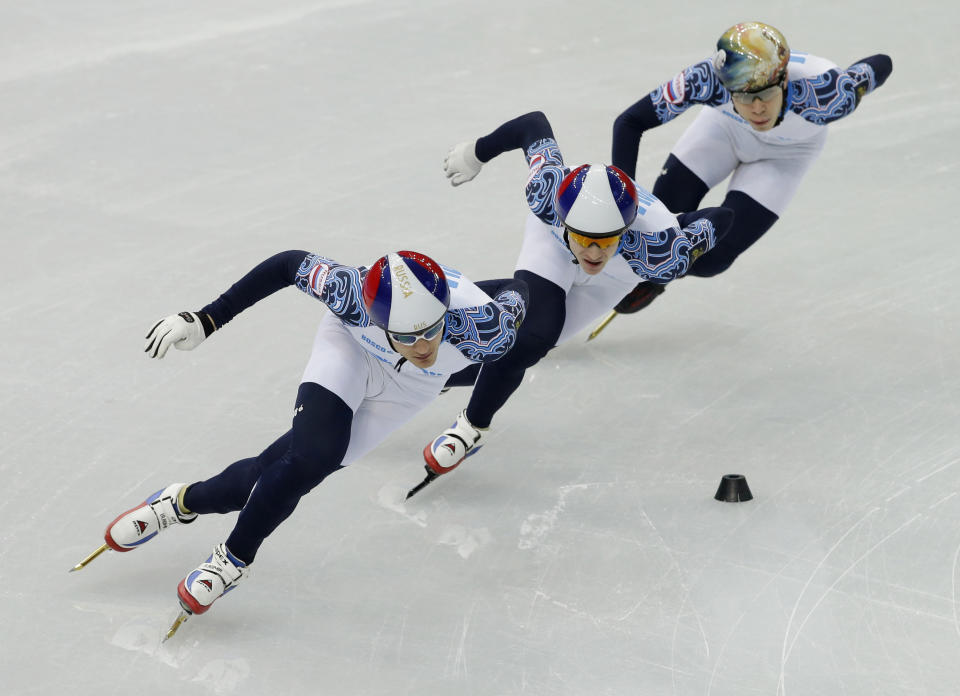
(667, 254)
(486, 332)
(834, 94)
(546, 173)
(698, 84)
(337, 286)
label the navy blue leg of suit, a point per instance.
(682, 191)
(679, 188)
(750, 222)
(538, 334)
(267, 488)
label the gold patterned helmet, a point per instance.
(751, 56)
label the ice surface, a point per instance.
(151, 153)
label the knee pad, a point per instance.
(299, 474)
(529, 351)
(678, 187)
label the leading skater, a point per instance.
(590, 234)
(765, 124)
(393, 335)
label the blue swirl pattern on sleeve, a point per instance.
(513, 303)
(698, 84)
(337, 286)
(546, 173)
(864, 78)
(830, 96)
(667, 254)
(487, 332)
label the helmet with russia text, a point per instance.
(751, 56)
(596, 200)
(405, 292)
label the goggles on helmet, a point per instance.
(428, 334)
(602, 242)
(764, 95)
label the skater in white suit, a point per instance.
(394, 333)
(591, 233)
(765, 121)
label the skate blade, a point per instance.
(423, 484)
(83, 564)
(177, 623)
(602, 325)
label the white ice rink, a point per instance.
(153, 152)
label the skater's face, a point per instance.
(759, 109)
(594, 257)
(423, 351)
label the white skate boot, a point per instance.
(453, 445)
(216, 576)
(137, 526)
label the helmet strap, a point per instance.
(566, 240)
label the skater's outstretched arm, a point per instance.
(336, 285)
(485, 333)
(697, 84)
(668, 254)
(834, 94)
(464, 160)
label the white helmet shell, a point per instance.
(597, 200)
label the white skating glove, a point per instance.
(185, 331)
(461, 163)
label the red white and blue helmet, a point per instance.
(406, 292)
(597, 200)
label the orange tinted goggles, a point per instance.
(585, 241)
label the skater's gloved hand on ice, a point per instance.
(185, 331)
(461, 163)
